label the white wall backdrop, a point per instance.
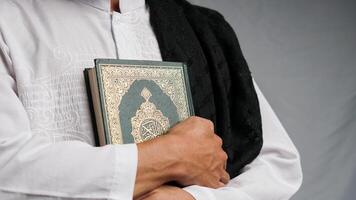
(303, 56)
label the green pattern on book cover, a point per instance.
(141, 100)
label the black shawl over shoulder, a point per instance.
(221, 81)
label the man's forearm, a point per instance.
(156, 165)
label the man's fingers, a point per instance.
(225, 178)
(221, 184)
(218, 139)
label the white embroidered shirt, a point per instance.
(46, 137)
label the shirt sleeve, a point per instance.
(275, 174)
(33, 166)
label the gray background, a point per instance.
(303, 56)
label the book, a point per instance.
(134, 101)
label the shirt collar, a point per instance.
(125, 5)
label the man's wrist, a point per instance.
(160, 157)
(171, 155)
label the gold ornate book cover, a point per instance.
(135, 101)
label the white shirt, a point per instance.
(46, 137)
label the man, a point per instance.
(46, 135)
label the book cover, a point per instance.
(135, 101)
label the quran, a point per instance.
(135, 101)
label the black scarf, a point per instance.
(221, 82)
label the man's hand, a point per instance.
(190, 154)
(166, 192)
(199, 149)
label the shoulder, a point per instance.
(20, 9)
(203, 16)
(192, 10)
(7, 8)
(210, 14)
(14, 12)
(21, 17)
(207, 21)
(10, 12)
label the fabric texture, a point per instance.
(221, 82)
(46, 137)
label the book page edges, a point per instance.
(97, 106)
